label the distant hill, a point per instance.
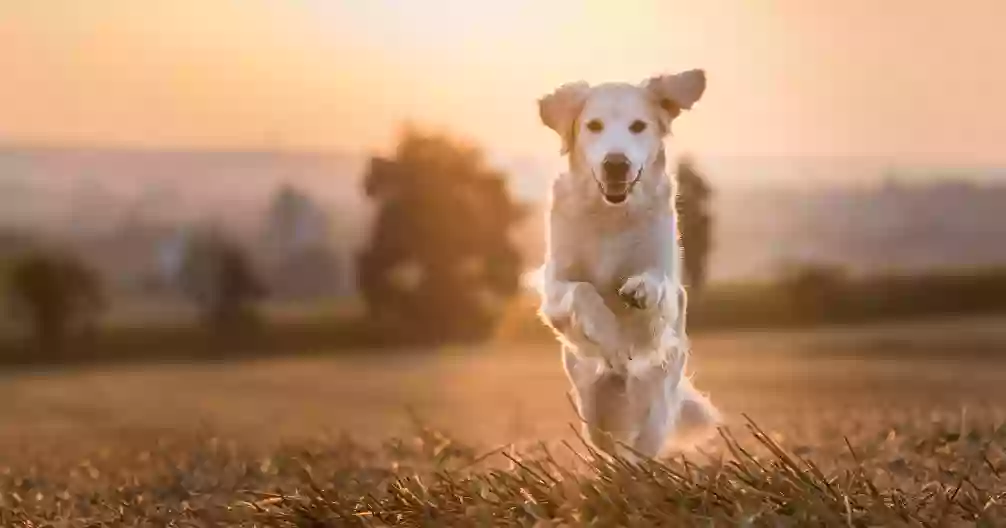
(893, 227)
(90, 189)
(767, 211)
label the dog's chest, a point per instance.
(606, 256)
(610, 260)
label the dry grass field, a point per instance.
(865, 426)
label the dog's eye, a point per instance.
(595, 125)
(637, 126)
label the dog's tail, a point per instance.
(698, 418)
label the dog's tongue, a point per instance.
(616, 191)
(615, 198)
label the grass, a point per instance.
(892, 425)
(167, 329)
(939, 473)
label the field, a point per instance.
(854, 426)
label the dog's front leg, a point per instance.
(576, 311)
(603, 403)
(634, 409)
(584, 374)
(652, 291)
(644, 291)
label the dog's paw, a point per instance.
(640, 292)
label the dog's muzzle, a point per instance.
(616, 180)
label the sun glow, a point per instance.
(787, 77)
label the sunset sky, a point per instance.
(909, 80)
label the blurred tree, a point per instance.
(218, 276)
(440, 264)
(55, 294)
(301, 261)
(293, 220)
(695, 223)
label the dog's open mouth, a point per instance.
(617, 191)
(615, 198)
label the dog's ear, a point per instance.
(559, 110)
(674, 93)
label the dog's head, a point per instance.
(615, 131)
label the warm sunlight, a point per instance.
(368, 262)
(785, 78)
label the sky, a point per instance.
(913, 81)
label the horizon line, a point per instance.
(13, 145)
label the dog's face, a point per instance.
(615, 131)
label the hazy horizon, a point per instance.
(794, 79)
(530, 175)
(115, 193)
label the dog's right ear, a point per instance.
(677, 92)
(560, 109)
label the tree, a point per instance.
(218, 276)
(301, 261)
(695, 223)
(55, 294)
(440, 264)
(294, 221)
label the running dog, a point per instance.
(611, 283)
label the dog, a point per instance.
(611, 285)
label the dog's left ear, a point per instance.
(674, 93)
(559, 110)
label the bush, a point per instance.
(815, 290)
(54, 294)
(218, 277)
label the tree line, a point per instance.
(440, 264)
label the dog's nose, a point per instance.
(616, 166)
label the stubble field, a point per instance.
(867, 426)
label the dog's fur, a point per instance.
(611, 284)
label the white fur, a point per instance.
(611, 283)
